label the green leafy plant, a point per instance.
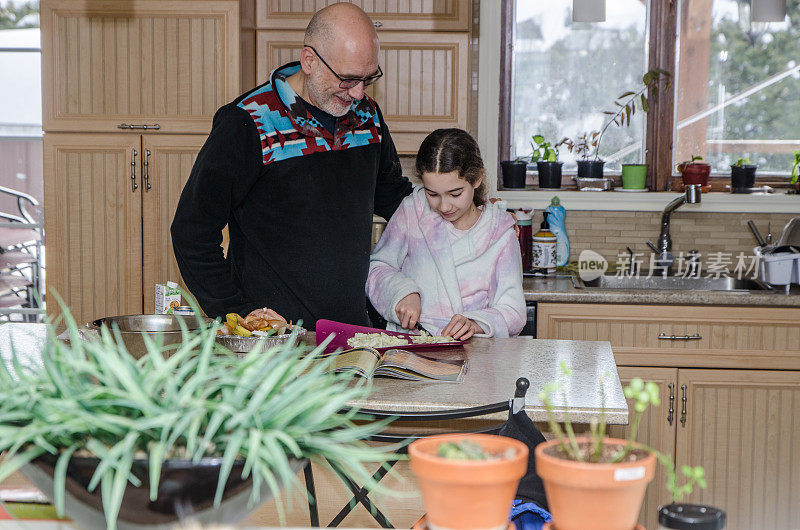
(91, 398)
(742, 162)
(626, 104)
(643, 395)
(543, 150)
(695, 159)
(796, 168)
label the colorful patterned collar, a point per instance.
(296, 110)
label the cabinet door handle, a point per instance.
(133, 170)
(377, 24)
(144, 126)
(146, 172)
(664, 336)
(670, 415)
(683, 410)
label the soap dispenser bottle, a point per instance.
(543, 249)
(556, 220)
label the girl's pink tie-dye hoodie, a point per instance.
(478, 276)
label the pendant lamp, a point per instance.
(590, 10)
(767, 10)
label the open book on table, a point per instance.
(398, 363)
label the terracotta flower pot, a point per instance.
(468, 493)
(585, 496)
(696, 173)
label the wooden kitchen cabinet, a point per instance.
(416, 15)
(739, 423)
(170, 162)
(108, 216)
(143, 62)
(741, 426)
(424, 86)
(93, 223)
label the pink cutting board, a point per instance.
(345, 331)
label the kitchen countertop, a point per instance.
(560, 289)
(493, 366)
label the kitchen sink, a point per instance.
(671, 283)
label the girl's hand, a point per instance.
(461, 328)
(408, 310)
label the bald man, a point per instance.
(295, 168)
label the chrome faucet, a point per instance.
(665, 259)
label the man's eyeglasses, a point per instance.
(350, 82)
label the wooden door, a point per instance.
(169, 162)
(656, 429)
(144, 62)
(424, 86)
(419, 15)
(93, 223)
(741, 427)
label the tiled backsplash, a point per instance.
(608, 232)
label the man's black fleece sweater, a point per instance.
(298, 202)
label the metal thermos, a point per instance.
(525, 226)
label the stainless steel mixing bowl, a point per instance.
(132, 329)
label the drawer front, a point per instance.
(702, 336)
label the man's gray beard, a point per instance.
(321, 102)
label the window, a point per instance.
(738, 86)
(21, 160)
(733, 94)
(566, 74)
(20, 103)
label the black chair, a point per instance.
(360, 494)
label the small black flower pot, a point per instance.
(513, 173)
(743, 176)
(590, 169)
(549, 174)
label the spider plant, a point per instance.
(91, 398)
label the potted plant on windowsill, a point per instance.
(695, 171)
(546, 157)
(596, 478)
(126, 443)
(796, 171)
(581, 146)
(626, 104)
(514, 172)
(743, 174)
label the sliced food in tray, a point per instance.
(349, 336)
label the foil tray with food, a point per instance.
(262, 327)
(594, 184)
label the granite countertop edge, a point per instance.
(537, 412)
(560, 289)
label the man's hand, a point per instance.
(408, 310)
(461, 328)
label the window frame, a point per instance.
(660, 134)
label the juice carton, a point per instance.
(168, 297)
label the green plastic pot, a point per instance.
(634, 176)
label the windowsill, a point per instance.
(652, 201)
